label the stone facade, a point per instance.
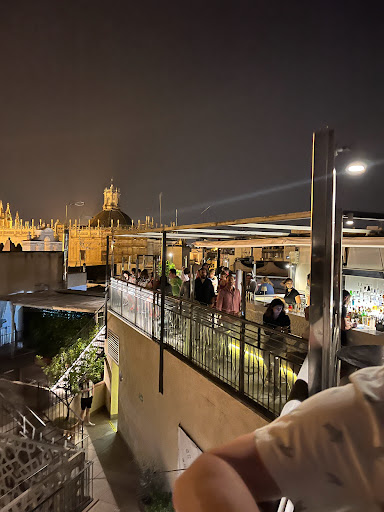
(87, 244)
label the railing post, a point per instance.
(190, 347)
(162, 314)
(153, 313)
(107, 281)
(241, 356)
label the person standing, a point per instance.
(214, 279)
(144, 280)
(86, 391)
(132, 276)
(175, 282)
(223, 280)
(204, 292)
(185, 290)
(292, 296)
(266, 287)
(229, 299)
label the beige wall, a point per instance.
(149, 421)
(30, 271)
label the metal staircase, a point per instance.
(44, 461)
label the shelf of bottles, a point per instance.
(366, 306)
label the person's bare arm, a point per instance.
(227, 479)
(298, 299)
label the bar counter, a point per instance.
(359, 336)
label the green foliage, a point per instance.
(153, 496)
(46, 332)
(89, 367)
(168, 266)
(160, 502)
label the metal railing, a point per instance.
(5, 337)
(73, 496)
(254, 361)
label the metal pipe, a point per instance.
(326, 244)
(162, 313)
(106, 288)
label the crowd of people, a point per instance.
(218, 289)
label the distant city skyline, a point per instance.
(212, 104)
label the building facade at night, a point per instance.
(87, 244)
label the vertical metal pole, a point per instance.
(242, 335)
(191, 283)
(65, 251)
(106, 289)
(112, 257)
(337, 295)
(162, 314)
(13, 338)
(243, 295)
(326, 243)
(218, 263)
(160, 196)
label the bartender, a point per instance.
(292, 296)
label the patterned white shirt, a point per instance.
(328, 454)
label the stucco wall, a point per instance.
(30, 271)
(149, 421)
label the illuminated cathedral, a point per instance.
(87, 244)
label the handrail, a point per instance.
(63, 402)
(196, 304)
(15, 413)
(86, 349)
(257, 363)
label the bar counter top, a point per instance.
(299, 325)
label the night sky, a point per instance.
(210, 102)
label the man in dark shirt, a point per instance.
(204, 292)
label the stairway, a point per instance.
(46, 464)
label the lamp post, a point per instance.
(75, 203)
(326, 262)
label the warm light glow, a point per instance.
(349, 220)
(356, 168)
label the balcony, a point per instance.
(249, 360)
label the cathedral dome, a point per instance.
(111, 213)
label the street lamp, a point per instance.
(356, 168)
(76, 203)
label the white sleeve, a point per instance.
(321, 454)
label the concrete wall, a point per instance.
(30, 271)
(149, 421)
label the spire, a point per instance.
(111, 197)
